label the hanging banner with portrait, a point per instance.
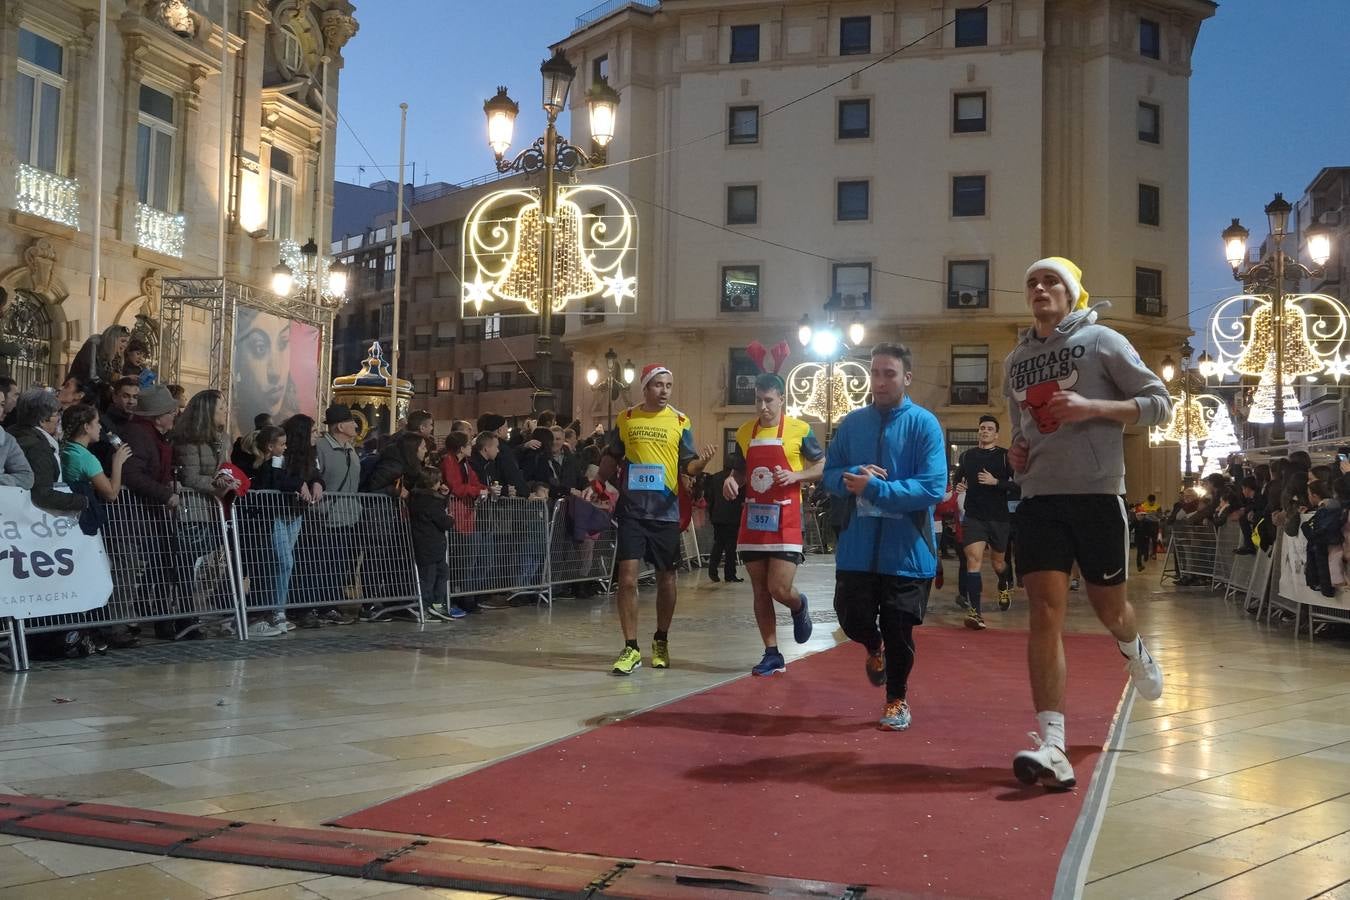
(275, 369)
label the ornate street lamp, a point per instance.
(613, 380)
(551, 154)
(1277, 339)
(819, 391)
(319, 280)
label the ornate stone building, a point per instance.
(161, 140)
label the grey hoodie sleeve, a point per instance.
(14, 468)
(1132, 378)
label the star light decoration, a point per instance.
(594, 244)
(807, 395)
(1242, 332)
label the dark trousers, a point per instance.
(876, 610)
(724, 545)
(434, 577)
(1145, 535)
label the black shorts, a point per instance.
(656, 542)
(995, 534)
(1056, 530)
(793, 556)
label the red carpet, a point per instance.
(789, 776)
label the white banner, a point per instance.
(1293, 581)
(48, 566)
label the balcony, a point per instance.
(160, 231)
(597, 13)
(41, 193)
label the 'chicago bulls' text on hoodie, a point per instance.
(1092, 360)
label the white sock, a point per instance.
(1051, 726)
(1131, 648)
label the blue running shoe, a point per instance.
(457, 613)
(801, 623)
(895, 717)
(771, 664)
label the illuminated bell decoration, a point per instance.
(1192, 410)
(807, 391)
(1299, 356)
(572, 278)
(1262, 409)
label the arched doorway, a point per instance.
(26, 340)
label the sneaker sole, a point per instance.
(1005, 605)
(618, 671)
(660, 665)
(975, 626)
(768, 673)
(886, 726)
(1030, 772)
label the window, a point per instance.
(445, 334)
(851, 284)
(155, 134)
(855, 35)
(744, 43)
(741, 373)
(972, 27)
(445, 384)
(1150, 39)
(600, 69)
(968, 284)
(742, 204)
(1150, 204)
(1150, 122)
(959, 440)
(852, 201)
(728, 443)
(968, 113)
(291, 54)
(743, 125)
(968, 195)
(740, 288)
(281, 194)
(492, 327)
(41, 84)
(970, 375)
(855, 119)
(421, 341)
(1148, 292)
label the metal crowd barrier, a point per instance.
(346, 549)
(167, 565)
(1191, 552)
(505, 553)
(572, 561)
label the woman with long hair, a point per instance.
(100, 359)
(292, 472)
(199, 443)
(80, 427)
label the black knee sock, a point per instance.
(974, 585)
(899, 662)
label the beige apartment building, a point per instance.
(787, 152)
(161, 159)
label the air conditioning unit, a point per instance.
(745, 382)
(854, 301)
(969, 396)
(740, 301)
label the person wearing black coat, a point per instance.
(725, 516)
(507, 463)
(430, 523)
(37, 415)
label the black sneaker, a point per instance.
(310, 620)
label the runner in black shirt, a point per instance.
(988, 480)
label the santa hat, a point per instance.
(651, 371)
(1068, 272)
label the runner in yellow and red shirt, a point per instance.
(649, 448)
(780, 454)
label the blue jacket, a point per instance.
(908, 443)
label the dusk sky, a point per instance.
(1268, 102)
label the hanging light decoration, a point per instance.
(1262, 409)
(1182, 411)
(1222, 441)
(1299, 356)
(1242, 332)
(810, 387)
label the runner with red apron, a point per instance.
(772, 519)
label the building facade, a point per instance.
(772, 171)
(1326, 201)
(161, 138)
(460, 367)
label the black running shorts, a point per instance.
(1056, 530)
(995, 534)
(656, 542)
(790, 556)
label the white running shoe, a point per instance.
(1145, 673)
(261, 628)
(1046, 765)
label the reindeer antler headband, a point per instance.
(779, 352)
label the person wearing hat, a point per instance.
(339, 465)
(1072, 386)
(651, 446)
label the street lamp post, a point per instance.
(613, 380)
(830, 344)
(1172, 375)
(1270, 277)
(283, 279)
(551, 154)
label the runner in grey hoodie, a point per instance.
(1072, 385)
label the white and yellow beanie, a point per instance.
(1068, 272)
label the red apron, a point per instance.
(772, 518)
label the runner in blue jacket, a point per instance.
(890, 462)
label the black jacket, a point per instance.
(429, 523)
(508, 469)
(46, 472)
(722, 511)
